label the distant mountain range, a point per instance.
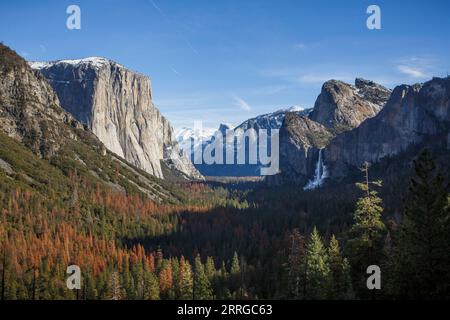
(98, 105)
(349, 124)
(189, 140)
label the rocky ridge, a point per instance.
(342, 106)
(413, 114)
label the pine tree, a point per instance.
(221, 283)
(202, 286)
(423, 255)
(137, 272)
(127, 281)
(210, 268)
(317, 268)
(3, 271)
(235, 278)
(151, 286)
(166, 279)
(366, 236)
(185, 280)
(90, 288)
(340, 281)
(115, 290)
(235, 266)
(296, 265)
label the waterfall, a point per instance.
(319, 174)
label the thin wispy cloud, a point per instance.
(268, 90)
(175, 71)
(321, 78)
(241, 103)
(412, 72)
(301, 46)
(191, 102)
(296, 76)
(416, 67)
(43, 48)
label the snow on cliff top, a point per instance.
(96, 62)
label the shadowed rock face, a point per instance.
(300, 142)
(341, 106)
(412, 114)
(116, 104)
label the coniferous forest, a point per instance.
(224, 243)
(238, 150)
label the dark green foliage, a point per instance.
(296, 277)
(202, 286)
(317, 269)
(340, 280)
(423, 254)
(366, 237)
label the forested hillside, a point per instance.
(66, 200)
(215, 243)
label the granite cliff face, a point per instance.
(30, 114)
(116, 104)
(412, 115)
(341, 106)
(301, 140)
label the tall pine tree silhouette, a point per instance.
(366, 236)
(423, 254)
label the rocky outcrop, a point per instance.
(30, 114)
(301, 140)
(341, 106)
(116, 104)
(412, 115)
(29, 108)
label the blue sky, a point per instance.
(227, 61)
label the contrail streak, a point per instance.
(165, 17)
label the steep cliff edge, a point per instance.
(301, 140)
(116, 104)
(29, 108)
(31, 119)
(412, 115)
(341, 106)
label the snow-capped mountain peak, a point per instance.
(189, 139)
(95, 62)
(272, 120)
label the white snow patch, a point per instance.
(95, 62)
